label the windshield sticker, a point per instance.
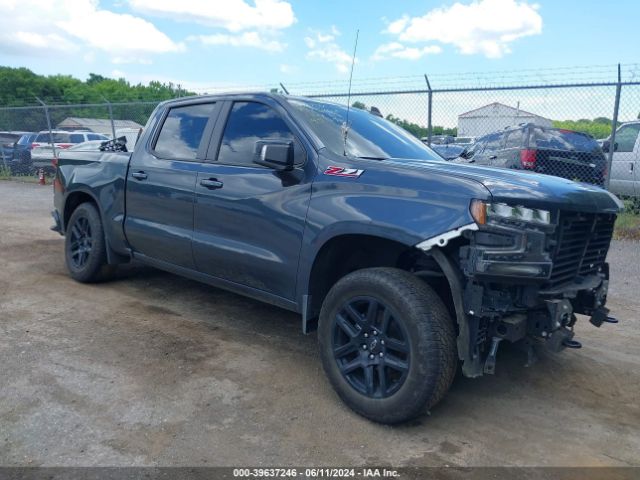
(343, 172)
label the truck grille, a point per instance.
(582, 243)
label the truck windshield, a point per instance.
(368, 136)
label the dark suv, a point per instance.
(563, 153)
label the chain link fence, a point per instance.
(560, 125)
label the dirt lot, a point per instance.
(152, 369)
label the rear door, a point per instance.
(249, 219)
(161, 182)
(624, 164)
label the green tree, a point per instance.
(20, 87)
(598, 127)
(421, 131)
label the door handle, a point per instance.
(493, 157)
(139, 175)
(631, 167)
(211, 183)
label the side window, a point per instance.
(626, 137)
(76, 138)
(475, 149)
(182, 132)
(94, 136)
(514, 139)
(493, 142)
(248, 123)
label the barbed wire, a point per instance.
(590, 74)
(587, 75)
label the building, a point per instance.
(496, 116)
(97, 125)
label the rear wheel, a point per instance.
(387, 344)
(85, 252)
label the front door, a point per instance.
(161, 185)
(249, 219)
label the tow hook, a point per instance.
(561, 338)
(490, 362)
(600, 316)
(571, 343)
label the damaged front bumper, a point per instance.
(510, 291)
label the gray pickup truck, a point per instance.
(407, 266)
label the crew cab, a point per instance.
(406, 265)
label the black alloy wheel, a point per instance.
(81, 242)
(371, 347)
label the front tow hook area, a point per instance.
(571, 343)
(562, 338)
(490, 362)
(600, 316)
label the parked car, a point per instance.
(625, 165)
(16, 151)
(42, 152)
(7, 145)
(448, 151)
(23, 147)
(553, 151)
(439, 139)
(467, 141)
(406, 263)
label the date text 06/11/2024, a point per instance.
(315, 473)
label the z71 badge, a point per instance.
(343, 172)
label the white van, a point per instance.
(625, 165)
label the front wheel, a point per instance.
(85, 250)
(387, 344)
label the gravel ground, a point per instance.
(153, 369)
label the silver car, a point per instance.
(47, 146)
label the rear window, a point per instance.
(57, 138)
(182, 131)
(25, 139)
(96, 136)
(562, 140)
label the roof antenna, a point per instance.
(345, 125)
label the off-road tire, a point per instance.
(95, 267)
(432, 357)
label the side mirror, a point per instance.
(277, 155)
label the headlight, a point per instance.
(483, 212)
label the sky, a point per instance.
(208, 44)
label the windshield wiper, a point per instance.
(375, 158)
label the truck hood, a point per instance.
(525, 188)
